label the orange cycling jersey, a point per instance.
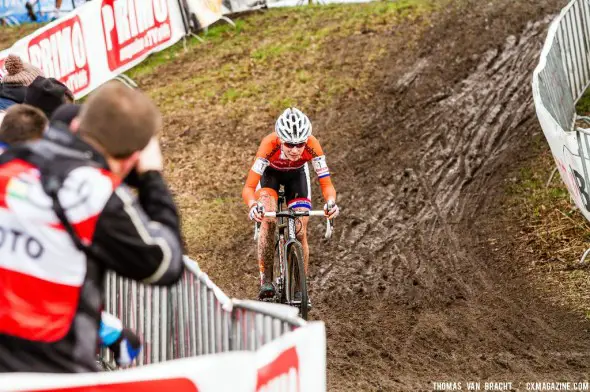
(270, 154)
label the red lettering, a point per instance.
(61, 53)
(132, 28)
(2, 70)
(282, 374)
(172, 384)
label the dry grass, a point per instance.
(554, 232)
(9, 35)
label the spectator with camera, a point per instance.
(67, 218)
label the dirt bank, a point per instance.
(425, 110)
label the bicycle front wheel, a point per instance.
(297, 279)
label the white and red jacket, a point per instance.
(51, 290)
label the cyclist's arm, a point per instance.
(257, 169)
(249, 191)
(322, 170)
(328, 190)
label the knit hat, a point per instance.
(19, 72)
(47, 94)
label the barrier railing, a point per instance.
(560, 79)
(193, 317)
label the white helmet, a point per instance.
(293, 126)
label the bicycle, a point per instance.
(289, 271)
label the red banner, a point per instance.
(61, 52)
(133, 27)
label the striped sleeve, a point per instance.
(322, 170)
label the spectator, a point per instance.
(14, 85)
(48, 94)
(26, 123)
(65, 114)
(29, 5)
(74, 221)
(22, 123)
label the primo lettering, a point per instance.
(131, 18)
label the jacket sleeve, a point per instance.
(140, 239)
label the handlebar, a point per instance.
(293, 214)
(297, 214)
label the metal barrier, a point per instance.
(193, 317)
(566, 73)
(560, 79)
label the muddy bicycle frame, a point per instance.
(287, 238)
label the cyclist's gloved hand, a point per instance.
(257, 212)
(331, 209)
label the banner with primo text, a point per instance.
(95, 43)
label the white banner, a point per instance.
(234, 371)
(206, 11)
(294, 362)
(95, 43)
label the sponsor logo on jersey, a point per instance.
(260, 165)
(320, 166)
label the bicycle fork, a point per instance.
(281, 285)
(285, 267)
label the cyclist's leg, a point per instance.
(267, 195)
(298, 195)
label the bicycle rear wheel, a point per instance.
(297, 279)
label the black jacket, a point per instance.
(52, 288)
(11, 94)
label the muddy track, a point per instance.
(424, 279)
(425, 187)
(412, 290)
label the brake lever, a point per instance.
(329, 228)
(330, 222)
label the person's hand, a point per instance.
(150, 158)
(331, 210)
(126, 348)
(256, 212)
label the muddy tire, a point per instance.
(297, 277)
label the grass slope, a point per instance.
(553, 230)
(10, 34)
(239, 80)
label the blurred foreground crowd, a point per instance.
(81, 193)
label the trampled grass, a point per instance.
(554, 232)
(277, 56)
(583, 105)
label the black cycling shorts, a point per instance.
(295, 182)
